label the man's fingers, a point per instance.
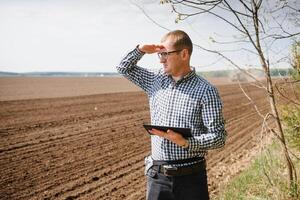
(158, 132)
(151, 48)
(159, 48)
(162, 133)
(169, 135)
(170, 131)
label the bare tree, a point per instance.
(259, 23)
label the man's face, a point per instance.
(172, 61)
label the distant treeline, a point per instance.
(59, 74)
(228, 73)
(219, 73)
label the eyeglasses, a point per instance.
(166, 54)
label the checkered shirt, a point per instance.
(191, 102)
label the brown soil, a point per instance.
(15, 88)
(93, 146)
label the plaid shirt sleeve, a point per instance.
(141, 77)
(213, 121)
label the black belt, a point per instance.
(178, 162)
(182, 170)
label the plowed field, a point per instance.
(93, 146)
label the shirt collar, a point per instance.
(192, 73)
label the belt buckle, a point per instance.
(168, 170)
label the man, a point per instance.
(178, 97)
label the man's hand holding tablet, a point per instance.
(176, 135)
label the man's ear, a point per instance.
(185, 54)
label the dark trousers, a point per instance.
(189, 187)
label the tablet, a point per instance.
(185, 132)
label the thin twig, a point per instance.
(284, 96)
(251, 101)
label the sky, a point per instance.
(94, 35)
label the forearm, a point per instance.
(213, 133)
(129, 61)
(141, 77)
(207, 141)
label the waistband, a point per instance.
(176, 162)
(180, 171)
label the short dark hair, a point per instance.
(181, 40)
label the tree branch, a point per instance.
(204, 11)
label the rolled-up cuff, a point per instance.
(137, 52)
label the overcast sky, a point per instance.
(93, 35)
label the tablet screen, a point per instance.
(185, 132)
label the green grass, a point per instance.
(267, 176)
(291, 121)
(254, 184)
